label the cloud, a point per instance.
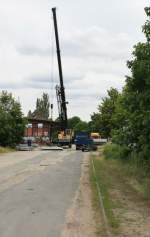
(95, 45)
(45, 81)
(91, 42)
(97, 42)
(7, 85)
(31, 50)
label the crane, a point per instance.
(60, 90)
(65, 136)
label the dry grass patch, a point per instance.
(6, 150)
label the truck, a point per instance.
(84, 142)
(97, 138)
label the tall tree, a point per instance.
(12, 123)
(81, 126)
(135, 132)
(42, 108)
(72, 122)
(102, 121)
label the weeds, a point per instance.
(131, 167)
(5, 150)
(104, 182)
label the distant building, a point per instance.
(39, 127)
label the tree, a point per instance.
(42, 108)
(72, 122)
(81, 126)
(12, 123)
(95, 123)
(77, 124)
(135, 131)
(102, 121)
(30, 114)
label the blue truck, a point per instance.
(84, 142)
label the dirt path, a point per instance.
(133, 213)
(80, 218)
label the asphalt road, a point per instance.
(36, 191)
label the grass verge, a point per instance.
(100, 230)
(122, 186)
(105, 182)
(136, 175)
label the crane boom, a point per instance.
(60, 90)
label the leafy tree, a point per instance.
(95, 123)
(102, 121)
(42, 108)
(134, 132)
(77, 124)
(72, 122)
(12, 123)
(126, 115)
(81, 126)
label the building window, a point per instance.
(40, 125)
(29, 125)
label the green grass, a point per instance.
(6, 150)
(105, 182)
(100, 230)
(117, 177)
(135, 174)
(114, 151)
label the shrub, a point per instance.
(115, 151)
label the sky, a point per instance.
(96, 40)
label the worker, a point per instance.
(29, 142)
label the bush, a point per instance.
(140, 161)
(137, 163)
(114, 151)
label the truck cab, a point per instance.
(83, 141)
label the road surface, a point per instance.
(36, 190)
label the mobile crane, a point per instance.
(65, 134)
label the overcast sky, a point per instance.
(96, 40)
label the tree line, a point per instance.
(125, 116)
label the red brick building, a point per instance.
(39, 127)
